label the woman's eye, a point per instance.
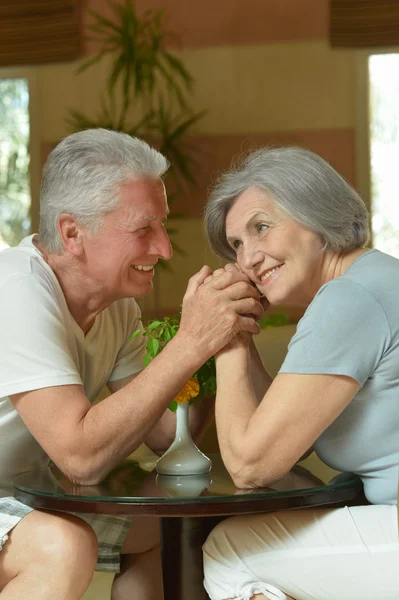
(236, 244)
(261, 227)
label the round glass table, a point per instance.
(188, 506)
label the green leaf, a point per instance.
(91, 61)
(171, 84)
(186, 124)
(178, 67)
(167, 335)
(152, 347)
(277, 319)
(173, 406)
(209, 387)
(136, 333)
(153, 325)
(103, 21)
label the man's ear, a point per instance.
(71, 234)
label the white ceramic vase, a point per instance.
(183, 457)
(182, 486)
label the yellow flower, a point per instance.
(190, 390)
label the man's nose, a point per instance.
(162, 246)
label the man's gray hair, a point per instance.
(300, 183)
(83, 174)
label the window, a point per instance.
(383, 82)
(15, 196)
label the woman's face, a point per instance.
(283, 259)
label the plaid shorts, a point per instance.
(111, 531)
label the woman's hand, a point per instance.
(216, 307)
(230, 267)
(243, 338)
(234, 267)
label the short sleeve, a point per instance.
(34, 350)
(343, 332)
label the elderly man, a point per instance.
(67, 312)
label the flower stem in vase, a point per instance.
(183, 457)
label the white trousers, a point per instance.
(309, 554)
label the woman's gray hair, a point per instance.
(300, 183)
(83, 174)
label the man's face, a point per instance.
(122, 256)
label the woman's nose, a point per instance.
(251, 256)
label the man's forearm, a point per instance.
(115, 427)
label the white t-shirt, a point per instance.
(41, 346)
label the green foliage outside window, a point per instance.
(14, 161)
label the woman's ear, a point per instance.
(324, 244)
(70, 232)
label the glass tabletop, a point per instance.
(135, 482)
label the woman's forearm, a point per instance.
(236, 402)
(261, 379)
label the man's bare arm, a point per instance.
(201, 414)
(86, 441)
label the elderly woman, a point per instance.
(298, 231)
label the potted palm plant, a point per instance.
(148, 88)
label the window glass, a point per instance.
(15, 198)
(384, 150)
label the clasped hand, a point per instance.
(217, 306)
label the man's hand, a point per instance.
(243, 338)
(235, 267)
(216, 307)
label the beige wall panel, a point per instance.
(273, 87)
(215, 153)
(92, 85)
(58, 91)
(63, 89)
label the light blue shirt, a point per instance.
(352, 328)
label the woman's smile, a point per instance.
(268, 276)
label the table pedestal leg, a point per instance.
(181, 551)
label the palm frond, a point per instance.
(102, 24)
(178, 68)
(142, 64)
